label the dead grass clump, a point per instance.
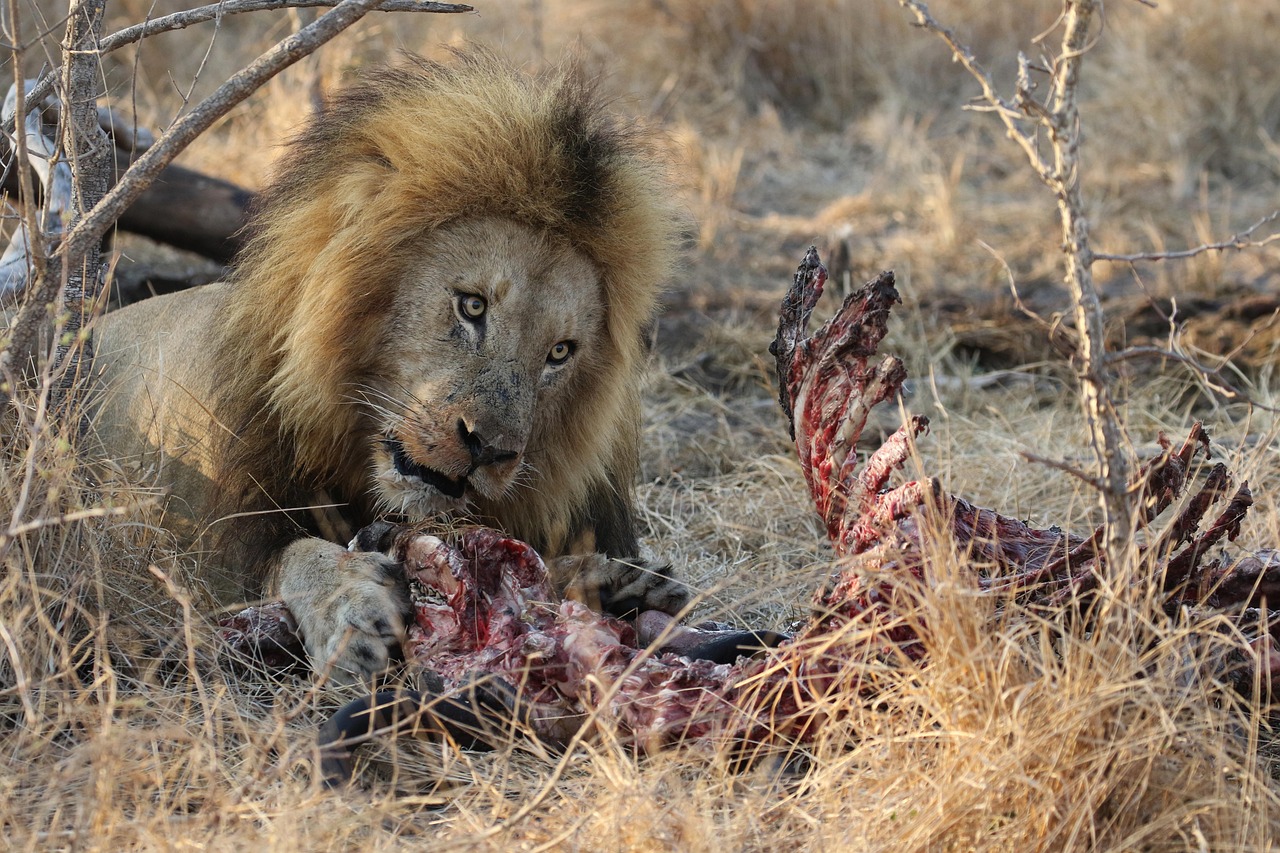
(1204, 109)
(1016, 734)
(118, 725)
(48, 615)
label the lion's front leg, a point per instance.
(351, 607)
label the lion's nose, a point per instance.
(481, 449)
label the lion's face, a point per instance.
(493, 331)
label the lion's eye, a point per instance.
(560, 352)
(472, 307)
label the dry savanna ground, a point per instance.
(787, 122)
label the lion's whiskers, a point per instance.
(378, 401)
(525, 478)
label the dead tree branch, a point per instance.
(1010, 115)
(1058, 116)
(89, 153)
(1104, 422)
(1242, 240)
(202, 14)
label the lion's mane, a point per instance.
(391, 158)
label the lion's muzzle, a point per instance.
(406, 466)
(462, 453)
(482, 451)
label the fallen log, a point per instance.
(183, 208)
(189, 210)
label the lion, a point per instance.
(442, 310)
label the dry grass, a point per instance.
(789, 122)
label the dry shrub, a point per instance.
(1020, 738)
(120, 727)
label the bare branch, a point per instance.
(145, 169)
(89, 153)
(74, 175)
(1049, 326)
(1058, 115)
(1105, 432)
(190, 17)
(1242, 240)
(45, 82)
(1008, 113)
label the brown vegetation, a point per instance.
(791, 122)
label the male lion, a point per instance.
(441, 308)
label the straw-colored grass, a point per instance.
(788, 122)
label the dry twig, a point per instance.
(1058, 116)
(1239, 241)
(214, 11)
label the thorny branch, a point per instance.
(1010, 115)
(1058, 115)
(1241, 240)
(1104, 423)
(1025, 111)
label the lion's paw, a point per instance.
(620, 587)
(351, 607)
